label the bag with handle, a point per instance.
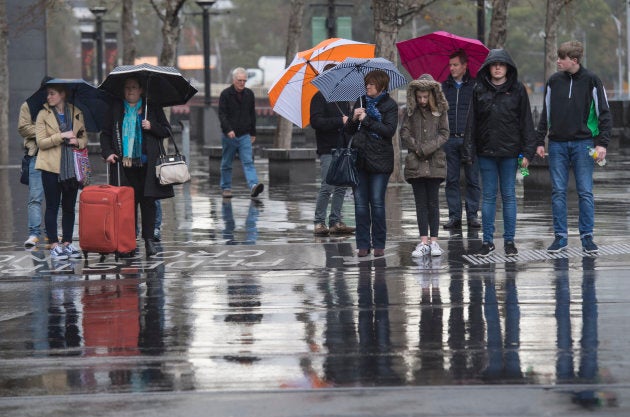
(343, 170)
(171, 169)
(24, 171)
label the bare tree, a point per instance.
(4, 82)
(127, 28)
(498, 24)
(389, 17)
(168, 11)
(551, 34)
(285, 127)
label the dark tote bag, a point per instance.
(26, 162)
(343, 167)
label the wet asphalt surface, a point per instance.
(244, 312)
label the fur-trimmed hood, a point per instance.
(425, 82)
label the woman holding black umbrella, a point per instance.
(59, 128)
(131, 135)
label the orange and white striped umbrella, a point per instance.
(290, 95)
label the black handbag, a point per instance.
(171, 169)
(342, 171)
(24, 174)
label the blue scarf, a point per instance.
(132, 131)
(372, 111)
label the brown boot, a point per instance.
(320, 230)
(341, 228)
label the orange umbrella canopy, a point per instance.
(290, 95)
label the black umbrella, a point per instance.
(163, 86)
(36, 101)
(92, 101)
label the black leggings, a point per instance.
(136, 177)
(55, 194)
(425, 193)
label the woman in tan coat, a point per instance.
(59, 125)
(424, 131)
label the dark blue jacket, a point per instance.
(326, 119)
(458, 102)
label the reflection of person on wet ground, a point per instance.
(376, 365)
(251, 230)
(588, 370)
(503, 356)
(430, 350)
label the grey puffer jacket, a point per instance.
(425, 130)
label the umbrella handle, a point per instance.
(339, 108)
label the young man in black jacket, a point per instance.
(328, 120)
(576, 117)
(238, 123)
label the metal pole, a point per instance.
(99, 49)
(331, 20)
(628, 42)
(206, 55)
(481, 21)
(619, 68)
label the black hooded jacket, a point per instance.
(500, 120)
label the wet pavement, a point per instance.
(244, 312)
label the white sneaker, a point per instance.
(71, 251)
(31, 241)
(421, 250)
(58, 253)
(435, 249)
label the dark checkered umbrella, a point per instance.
(345, 81)
(163, 86)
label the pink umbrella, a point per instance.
(429, 54)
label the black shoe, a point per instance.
(453, 224)
(486, 249)
(149, 247)
(257, 189)
(510, 249)
(474, 223)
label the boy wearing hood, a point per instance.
(577, 117)
(424, 131)
(498, 130)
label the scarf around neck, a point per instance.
(372, 111)
(132, 131)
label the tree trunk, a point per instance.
(4, 82)
(498, 24)
(385, 36)
(551, 35)
(168, 11)
(127, 28)
(285, 127)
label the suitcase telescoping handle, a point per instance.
(107, 164)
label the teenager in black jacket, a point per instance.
(499, 129)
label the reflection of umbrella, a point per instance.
(290, 95)
(345, 82)
(163, 86)
(429, 54)
(92, 102)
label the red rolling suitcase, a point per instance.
(107, 220)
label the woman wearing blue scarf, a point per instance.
(133, 137)
(373, 128)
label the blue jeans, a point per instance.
(452, 189)
(325, 191)
(158, 214)
(242, 145)
(369, 210)
(564, 156)
(498, 173)
(35, 197)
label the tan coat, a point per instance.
(424, 131)
(49, 138)
(26, 129)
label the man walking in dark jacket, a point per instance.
(576, 117)
(328, 120)
(238, 123)
(458, 90)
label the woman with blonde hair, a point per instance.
(424, 131)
